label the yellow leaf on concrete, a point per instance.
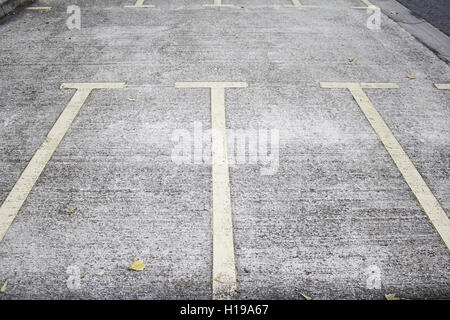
(306, 297)
(138, 265)
(3, 289)
(391, 296)
(410, 76)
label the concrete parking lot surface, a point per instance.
(339, 214)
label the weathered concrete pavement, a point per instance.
(336, 209)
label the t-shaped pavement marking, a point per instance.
(224, 268)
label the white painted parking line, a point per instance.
(38, 8)
(366, 2)
(224, 268)
(297, 4)
(443, 86)
(218, 3)
(23, 186)
(412, 177)
(140, 4)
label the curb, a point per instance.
(435, 40)
(8, 6)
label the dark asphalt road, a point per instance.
(436, 12)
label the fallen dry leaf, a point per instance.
(218, 277)
(9, 44)
(410, 76)
(82, 275)
(46, 10)
(138, 265)
(306, 297)
(352, 59)
(3, 289)
(100, 273)
(73, 210)
(309, 279)
(391, 296)
(394, 12)
(131, 99)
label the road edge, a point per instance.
(8, 7)
(435, 40)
